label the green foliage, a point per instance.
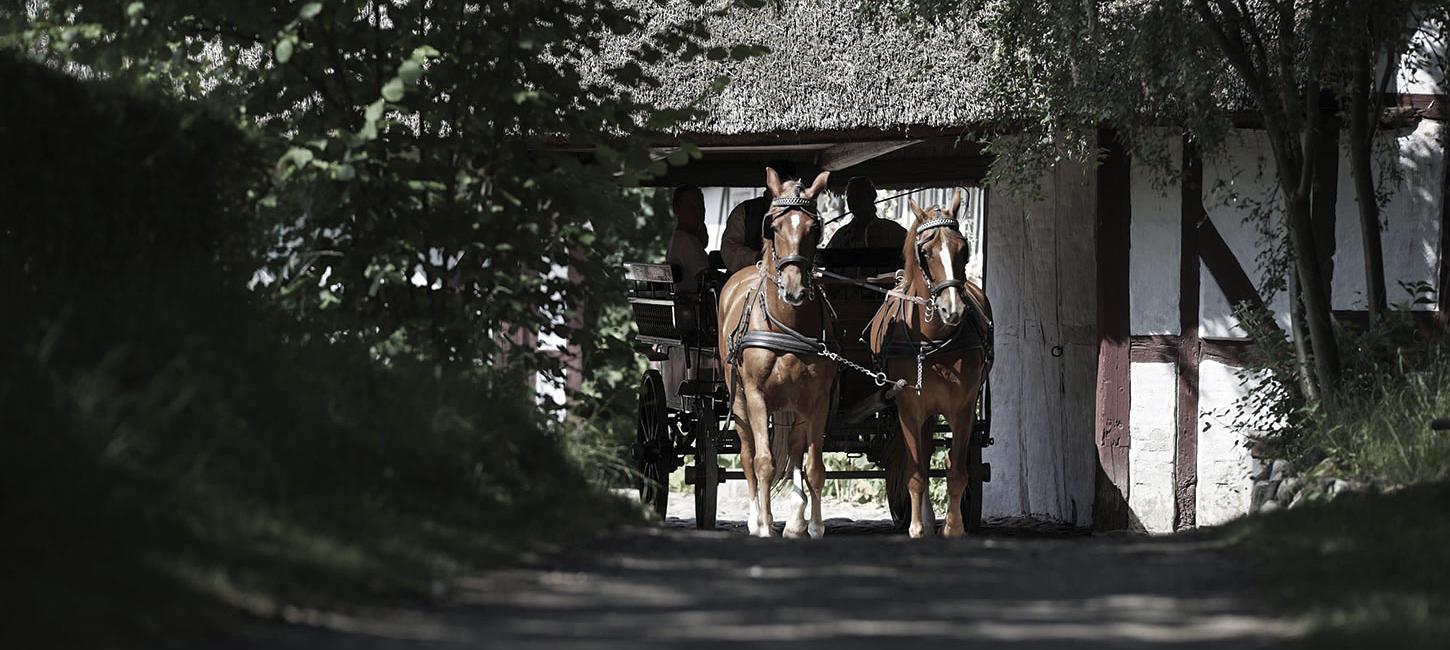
(1060, 70)
(417, 202)
(175, 445)
(1396, 380)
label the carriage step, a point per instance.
(691, 471)
(700, 388)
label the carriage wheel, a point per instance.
(898, 497)
(900, 505)
(652, 453)
(707, 470)
(976, 475)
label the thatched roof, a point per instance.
(831, 67)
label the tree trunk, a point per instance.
(1301, 340)
(1361, 140)
(1317, 317)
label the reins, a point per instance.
(848, 213)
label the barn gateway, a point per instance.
(1117, 352)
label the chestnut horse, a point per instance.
(773, 326)
(935, 328)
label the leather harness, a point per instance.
(786, 340)
(963, 339)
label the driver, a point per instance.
(866, 229)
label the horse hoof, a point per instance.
(795, 533)
(816, 529)
(953, 532)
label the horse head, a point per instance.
(937, 252)
(792, 229)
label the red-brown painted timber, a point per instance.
(1114, 218)
(1185, 459)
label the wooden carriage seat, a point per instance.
(666, 317)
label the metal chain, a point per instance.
(879, 377)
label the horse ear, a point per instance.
(772, 181)
(916, 210)
(956, 203)
(818, 185)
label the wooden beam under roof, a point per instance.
(850, 154)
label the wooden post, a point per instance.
(1185, 459)
(1114, 208)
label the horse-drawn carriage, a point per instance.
(684, 406)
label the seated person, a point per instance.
(866, 230)
(687, 243)
(740, 245)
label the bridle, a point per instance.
(934, 288)
(780, 207)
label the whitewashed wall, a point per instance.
(1041, 277)
(1411, 218)
(1156, 246)
(1234, 184)
(1224, 464)
(1152, 425)
(1237, 183)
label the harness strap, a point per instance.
(936, 223)
(787, 340)
(938, 287)
(780, 262)
(778, 342)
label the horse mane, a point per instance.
(910, 262)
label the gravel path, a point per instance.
(863, 586)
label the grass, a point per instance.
(1365, 570)
(1379, 430)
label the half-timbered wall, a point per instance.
(1194, 251)
(1040, 275)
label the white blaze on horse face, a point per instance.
(949, 303)
(791, 276)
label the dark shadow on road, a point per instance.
(863, 585)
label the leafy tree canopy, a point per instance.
(420, 197)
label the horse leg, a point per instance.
(747, 466)
(961, 423)
(747, 462)
(917, 461)
(815, 471)
(796, 527)
(763, 463)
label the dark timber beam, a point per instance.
(1114, 207)
(1185, 456)
(850, 154)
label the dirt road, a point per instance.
(862, 586)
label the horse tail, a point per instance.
(784, 463)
